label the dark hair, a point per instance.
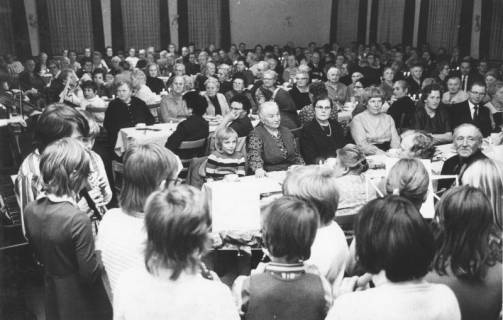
(464, 222)
(240, 75)
(322, 97)
(196, 102)
(240, 98)
(289, 228)
(177, 223)
(392, 236)
(89, 84)
(478, 84)
(56, 122)
(318, 89)
(429, 89)
(99, 70)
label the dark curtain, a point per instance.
(6, 32)
(496, 34)
(70, 24)
(141, 23)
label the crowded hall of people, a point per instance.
(214, 159)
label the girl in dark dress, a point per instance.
(62, 237)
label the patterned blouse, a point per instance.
(255, 147)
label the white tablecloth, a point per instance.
(235, 205)
(157, 133)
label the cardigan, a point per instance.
(62, 239)
(155, 84)
(121, 115)
(224, 106)
(264, 152)
(315, 144)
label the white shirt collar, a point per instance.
(55, 198)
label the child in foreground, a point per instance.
(225, 159)
(285, 289)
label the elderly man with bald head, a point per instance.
(271, 147)
(467, 142)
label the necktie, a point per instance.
(464, 83)
(475, 112)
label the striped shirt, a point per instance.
(221, 164)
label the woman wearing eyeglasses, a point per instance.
(320, 138)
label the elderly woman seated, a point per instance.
(209, 71)
(224, 76)
(217, 104)
(454, 93)
(172, 105)
(155, 84)
(239, 87)
(271, 147)
(433, 117)
(141, 91)
(320, 138)
(306, 114)
(373, 130)
(269, 92)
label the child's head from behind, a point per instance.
(226, 140)
(289, 227)
(177, 223)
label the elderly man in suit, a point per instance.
(472, 111)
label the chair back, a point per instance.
(190, 150)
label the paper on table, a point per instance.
(226, 214)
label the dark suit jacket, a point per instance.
(314, 143)
(456, 165)
(472, 77)
(460, 113)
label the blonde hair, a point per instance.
(64, 166)
(408, 178)
(315, 184)
(224, 134)
(487, 175)
(138, 78)
(212, 80)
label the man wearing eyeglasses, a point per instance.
(472, 111)
(467, 142)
